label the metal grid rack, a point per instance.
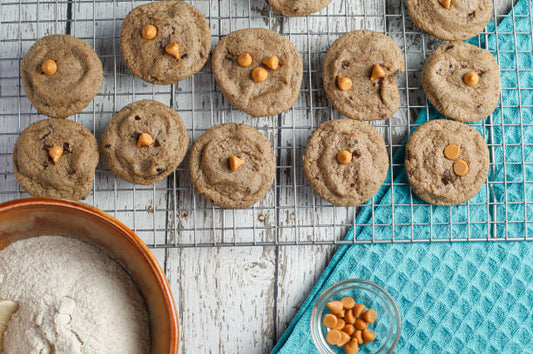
(170, 213)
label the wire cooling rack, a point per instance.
(170, 213)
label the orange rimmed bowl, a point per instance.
(26, 218)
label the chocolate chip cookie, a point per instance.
(446, 162)
(297, 7)
(346, 161)
(451, 19)
(233, 165)
(359, 72)
(462, 81)
(165, 42)
(61, 74)
(144, 142)
(56, 158)
(258, 71)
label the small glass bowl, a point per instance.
(387, 325)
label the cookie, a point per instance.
(462, 81)
(165, 42)
(233, 165)
(243, 67)
(144, 142)
(346, 161)
(61, 74)
(451, 19)
(56, 158)
(446, 162)
(359, 72)
(297, 7)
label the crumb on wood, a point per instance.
(262, 218)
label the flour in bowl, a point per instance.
(72, 298)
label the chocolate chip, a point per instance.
(159, 170)
(463, 66)
(156, 143)
(445, 181)
(137, 118)
(450, 47)
(451, 68)
(248, 190)
(45, 164)
(356, 153)
(71, 172)
(184, 56)
(345, 64)
(153, 79)
(107, 146)
(66, 147)
(472, 15)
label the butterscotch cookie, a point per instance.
(359, 72)
(297, 7)
(233, 165)
(258, 71)
(462, 81)
(346, 161)
(451, 19)
(446, 162)
(144, 142)
(56, 158)
(165, 42)
(61, 74)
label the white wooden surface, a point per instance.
(229, 299)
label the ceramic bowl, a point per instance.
(26, 218)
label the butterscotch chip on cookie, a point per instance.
(451, 86)
(370, 61)
(436, 178)
(56, 158)
(351, 183)
(297, 7)
(255, 88)
(215, 174)
(144, 142)
(455, 20)
(177, 48)
(61, 74)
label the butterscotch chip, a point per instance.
(339, 325)
(358, 336)
(330, 321)
(335, 307)
(344, 83)
(368, 336)
(245, 59)
(344, 157)
(49, 67)
(55, 153)
(272, 62)
(149, 32)
(358, 310)
(361, 324)
(349, 329)
(369, 316)
(347, 301)
(377, 72)
(259, 74)
(460, 167)
(333, 337)
(345, 338)
(446, 3)
(145, 139)
(471, 78)
(173, 49)
(351, 347)
(235, 163)
(349, 317)
(452, 151)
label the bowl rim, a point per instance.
(129, 235)
(364, 281)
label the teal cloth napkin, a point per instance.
(455, 296)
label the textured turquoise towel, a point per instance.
(456, 297)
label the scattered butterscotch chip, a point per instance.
(349, 317)
(49, 67)
(446, 3)
(377, 72)
(145, 139)
(55, 153)
(471, 78)
(245, 59)
(333, 337)
(347, 301)
(344, 157)
(358, 336)
(259, 74)
(369, 316)
(330, 320)
(235, 163)
(149, 32)
(340, 314)
(351, 347)
(173, 49)
(339, 325)
(358, 310)
(335, 307)
(345, 338)
(344, 83)
(349, 329)
(262, 218)
(460, 167)
(360, 324)
(272, 62)
(452, 151)
(368, 336)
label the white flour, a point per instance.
(72, 299)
